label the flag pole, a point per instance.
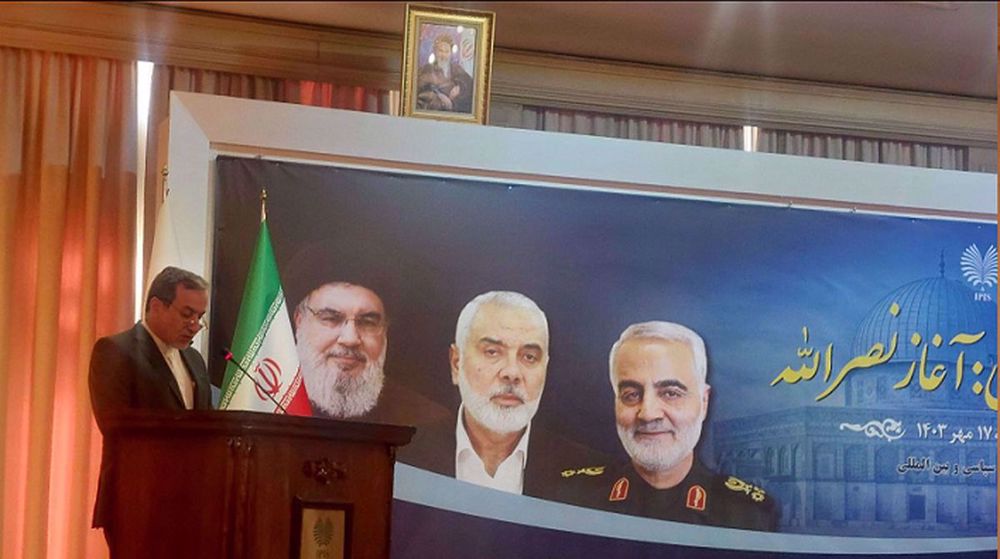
(263, 204)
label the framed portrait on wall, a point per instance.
(447, 54)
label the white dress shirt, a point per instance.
(469, 467)
(172, 355)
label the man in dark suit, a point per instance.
(151, 365)
(499, 362)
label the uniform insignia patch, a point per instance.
(737, 484)
(696, 498)
(588, 471)
(619, 491)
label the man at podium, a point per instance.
(151, 365)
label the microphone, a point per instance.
(228, 356)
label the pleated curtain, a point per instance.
(67, 234)
(872, 150)
(631, 127)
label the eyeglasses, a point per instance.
(191, 317)
(368, 324)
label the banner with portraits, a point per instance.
(838, 393)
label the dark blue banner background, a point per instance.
(747, 278)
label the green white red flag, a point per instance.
(263, 343)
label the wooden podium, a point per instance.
(234, 485)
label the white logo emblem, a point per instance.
(980, 269)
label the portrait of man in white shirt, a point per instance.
(498, 362)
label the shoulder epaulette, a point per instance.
(585, 471)
(737, 484)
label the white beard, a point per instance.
(444, 66)
(659, 457)
(497, 418)
(336, 393)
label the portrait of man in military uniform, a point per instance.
(658, 376)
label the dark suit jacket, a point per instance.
(433, 448)
(127, 371)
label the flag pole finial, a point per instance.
(263, 204)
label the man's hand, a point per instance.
(446, 102)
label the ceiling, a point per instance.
(939, 47)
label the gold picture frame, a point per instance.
(458, 89)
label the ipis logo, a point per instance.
(980, 270)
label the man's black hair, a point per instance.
(164, 286)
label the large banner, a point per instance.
(623, 375)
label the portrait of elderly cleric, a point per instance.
(442, 82)
(340, 334)
(341, 294)
(151, 365)
(498, 361)
(658, 376)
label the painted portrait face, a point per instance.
(660, 402)
(340, 334)
(442, 52)
(500, 371)
(177, 323)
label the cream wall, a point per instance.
(220, 42)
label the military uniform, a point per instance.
(703, 497)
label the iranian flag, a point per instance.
(263, 344)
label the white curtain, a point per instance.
(628, 127)
(851, 148)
